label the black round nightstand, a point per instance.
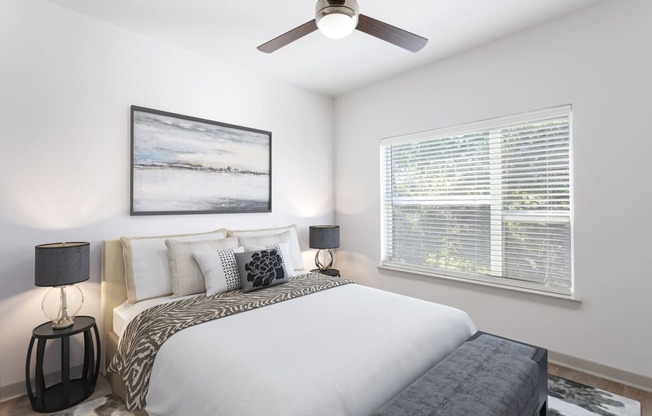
(68, 392)
(329, 272)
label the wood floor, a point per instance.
(21, 406)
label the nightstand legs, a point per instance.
(65, 370)
(39, 378)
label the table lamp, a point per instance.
(325, 238)
(60, 266)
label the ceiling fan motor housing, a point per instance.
(336, 18)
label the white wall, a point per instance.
(600, 61)
(66, 84)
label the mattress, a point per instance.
(343, 351)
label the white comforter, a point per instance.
(343, 351)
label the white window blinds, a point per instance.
(488, 201)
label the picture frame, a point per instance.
(188, 165)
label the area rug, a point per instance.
(568, 398)
(565, 398)
(110, 405)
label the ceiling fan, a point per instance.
(337, 19)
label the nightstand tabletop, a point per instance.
(329, 272)
(81, 324)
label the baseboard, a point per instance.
(11, 391)
(610, 373)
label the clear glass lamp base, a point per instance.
(61, 305)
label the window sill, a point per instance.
(513, 286)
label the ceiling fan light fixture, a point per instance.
(336, 19)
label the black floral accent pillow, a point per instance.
(259, 269)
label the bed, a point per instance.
(343, 350)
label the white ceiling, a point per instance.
(231, 30)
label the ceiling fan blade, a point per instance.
(288, 37)
(391, 34)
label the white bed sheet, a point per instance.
(124, 313)
(343, 351)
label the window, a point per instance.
(487, 201)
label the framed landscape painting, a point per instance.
(187, 165)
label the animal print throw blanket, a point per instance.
(150, 329)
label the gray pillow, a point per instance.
(186, 275)
(260, 269)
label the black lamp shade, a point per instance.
(61, 264)
(324, 236)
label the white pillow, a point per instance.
(295, 249)
(284, 248)
(261, 242)
(147, 270)
(187, 278)
(219, 269)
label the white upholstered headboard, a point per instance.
(113, 288)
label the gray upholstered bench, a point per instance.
(485, 376)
